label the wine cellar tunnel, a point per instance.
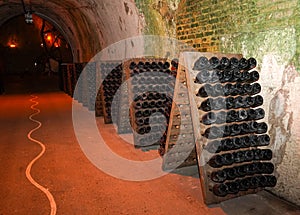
(268, 31)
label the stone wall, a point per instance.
(269, 31)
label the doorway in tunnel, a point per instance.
(30, 55)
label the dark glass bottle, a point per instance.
(229, 102)
(256, 88)
(262, 128)
(221, 117)
(203, 77)
(233, 187)
(242, 115)
(201, 63)
(231, 116)
(258, 101)
(217, 90)
(228, 159)
(227, 89)
(209, 118)
(235, 129)
(243, 64)
(245, 76)
(244, 184)
(234, 62)
(214, 132)
(218, 103)
(239, 102)
(227, 76)
(264, 140)
(220, 190)
(203, 91)
(216, 161)
(138, 114)
(254, 76)
(227, 144)
(252, 63)
(214, 62)
(213, 146)
(230, 173)
(236, 75)
(218, 176)
(272, 181)
(224, 63)
(132, 65)
(206, 105)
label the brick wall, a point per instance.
(241, 26)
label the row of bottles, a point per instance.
(236, 143)
(260, 181)
(233, 116)
(228, 159)
(220, 103)
(241, 171)
(215, 132)
(225, 63)
(228, 90)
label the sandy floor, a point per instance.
(77, 186)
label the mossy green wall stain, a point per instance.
(159, 16)
(251, 27)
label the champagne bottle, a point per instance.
(230, 102)
(213, 146)
(217, 90)
(242, 115)
(227, 76)
(228, 159)
(235, 129)
(209, 118)
(201, 63)
(272, 181)
(234, 62)
(206, 105)
(214, 62)
(224, 63)
(220, 190)
(262, 128)
(236, 75)
(243, 64)
(244, 184)
(218, 176)
(221, 117)
(254, 76)
(213, 132)
(227, 144)
(202, 77)
(252, 63)
(256, 88)
(230, 173)
(216, 161)
(264, 140)
(233, 187)
(239, 102)
(218, 103)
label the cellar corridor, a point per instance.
(77, 186)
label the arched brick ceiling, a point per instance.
(88, 25)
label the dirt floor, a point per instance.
(77, 186)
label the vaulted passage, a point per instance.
(50, 80)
